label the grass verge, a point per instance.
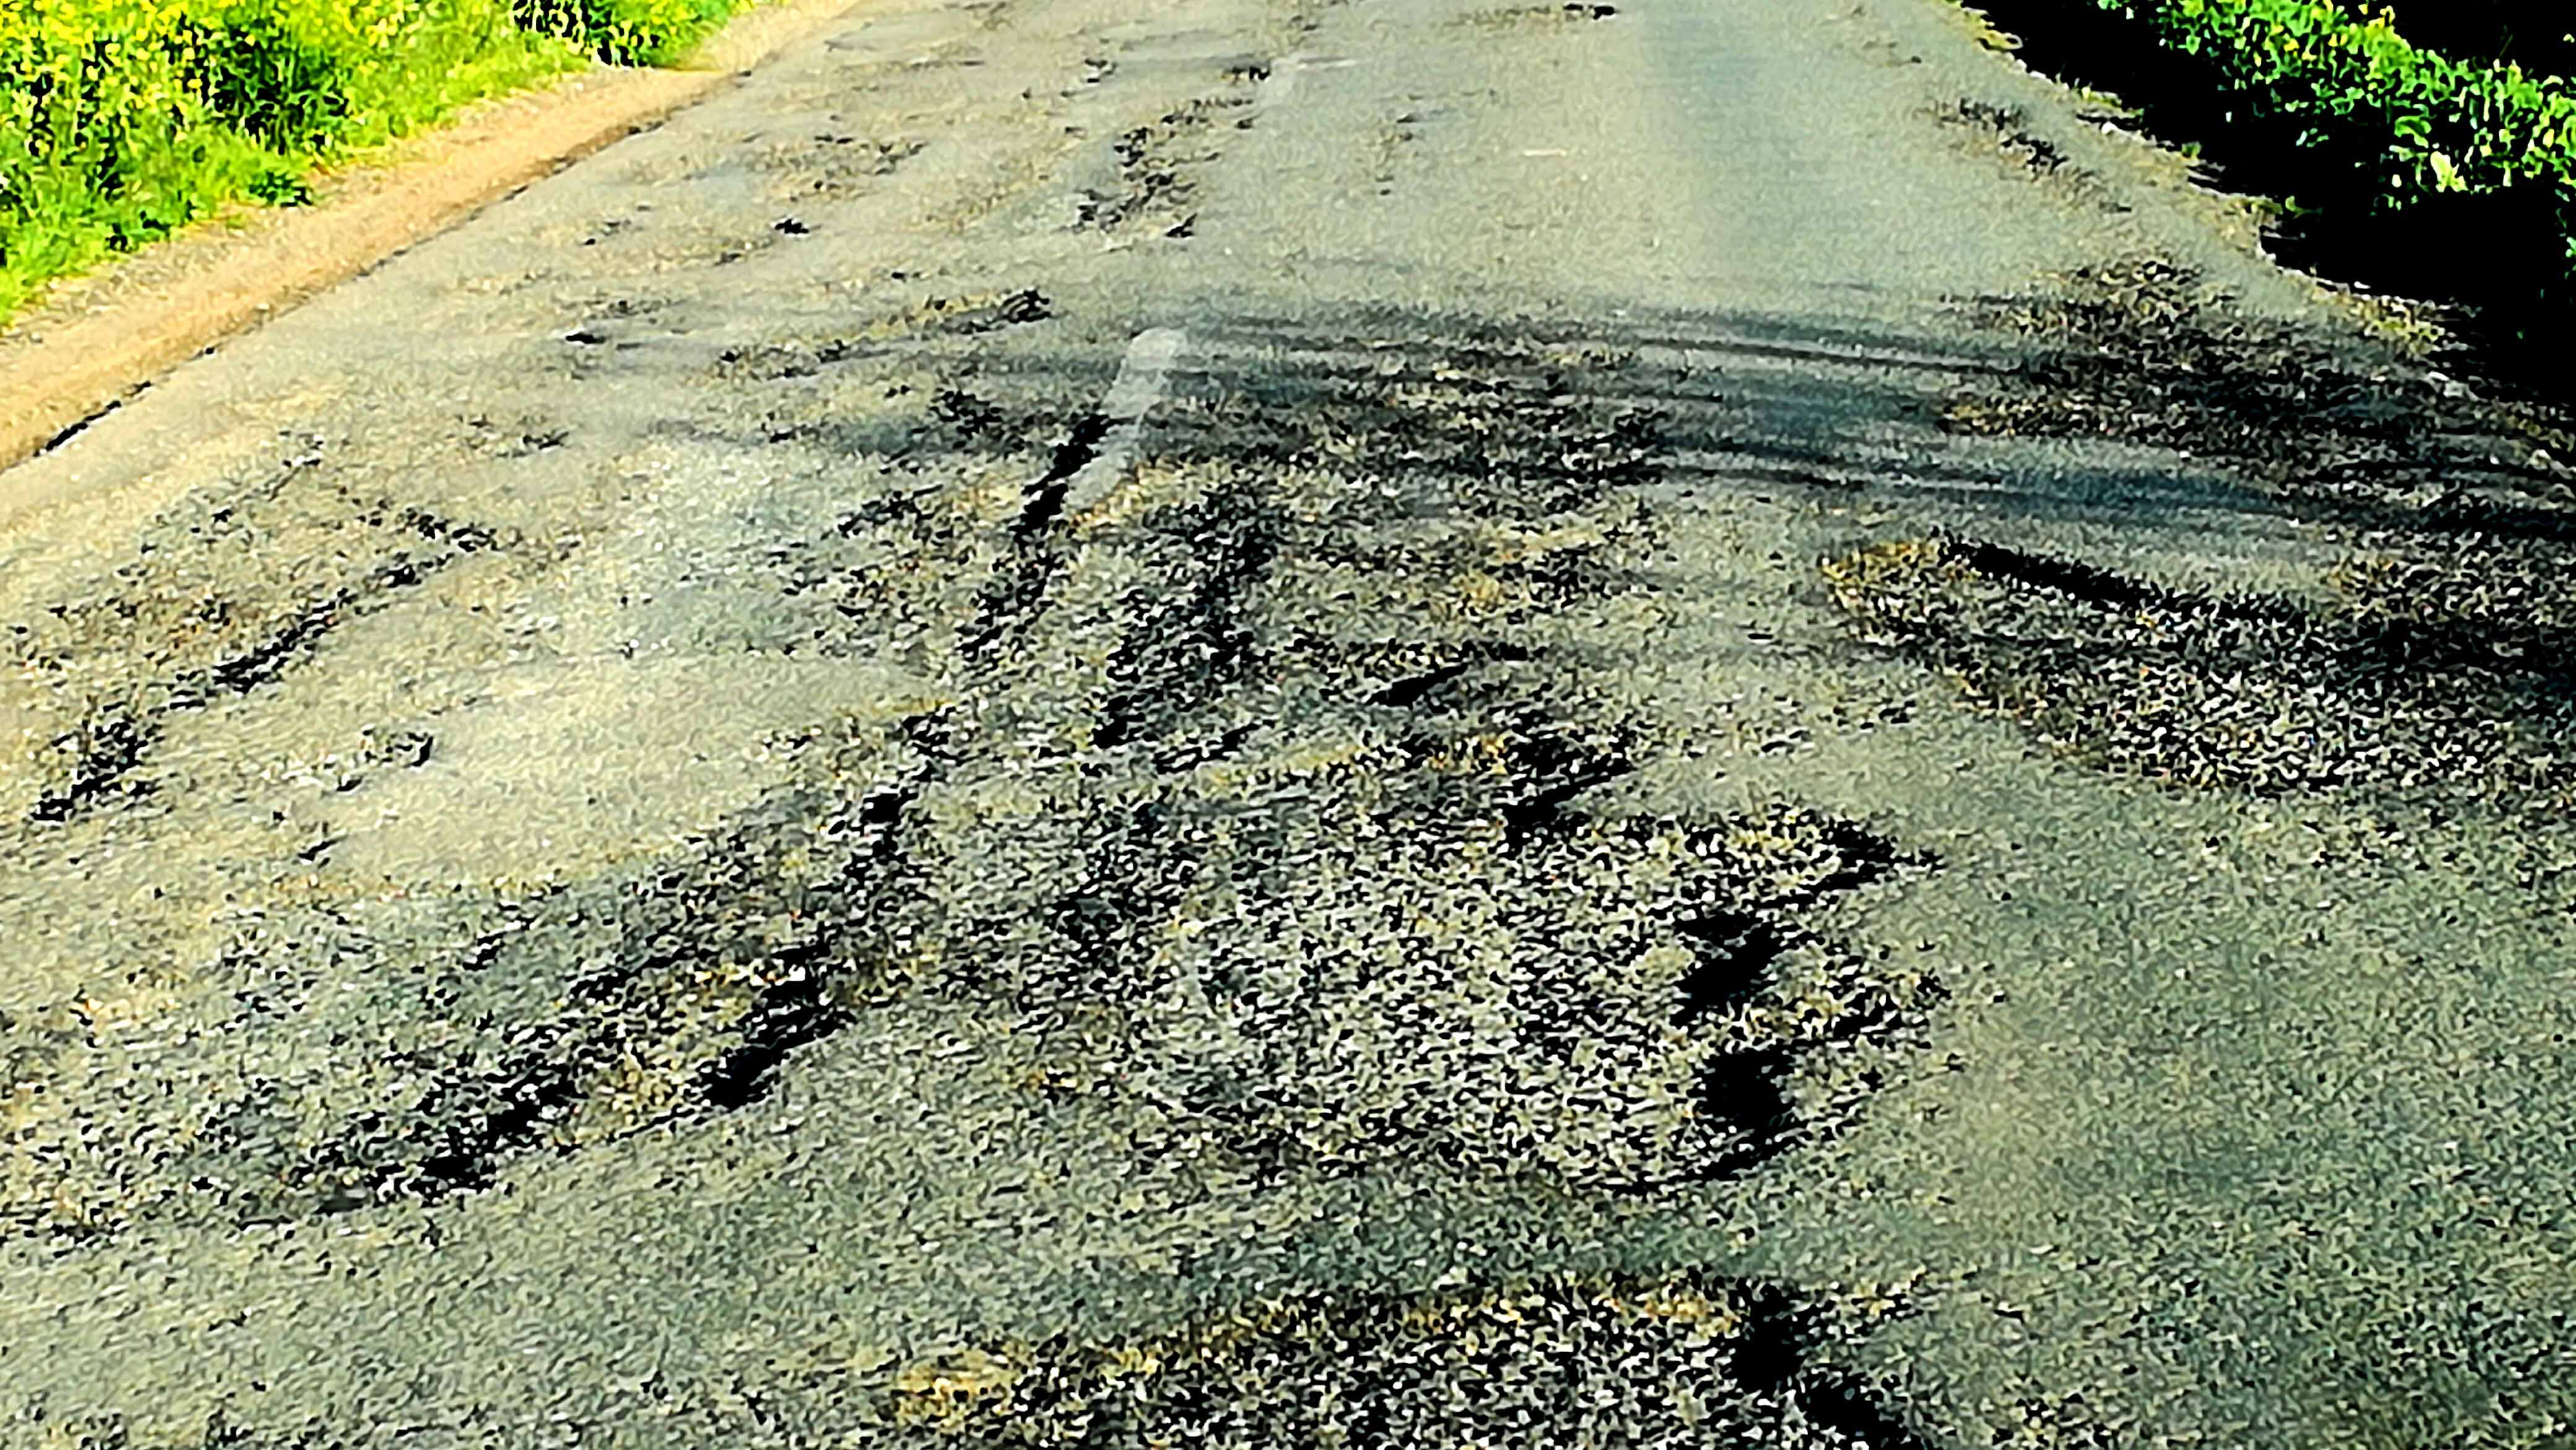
(123, 121)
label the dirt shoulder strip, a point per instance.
(100, 339)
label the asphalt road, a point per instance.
(1273, 722)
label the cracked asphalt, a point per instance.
(1302, 722)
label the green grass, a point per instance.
(122, 121)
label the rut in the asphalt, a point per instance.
(218, 598)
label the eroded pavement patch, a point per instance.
(2433, 674)
(1266, 792)
(1669, 1361)
(1269, 759)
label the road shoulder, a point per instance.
(99, 339)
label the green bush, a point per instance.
(271, 74)
(2444, 124)
(2533, 32)
(623, 32)
(124, 120)
(2416, 127)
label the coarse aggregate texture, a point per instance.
(1098, 723)
(1670, 1361)
(2431, 679)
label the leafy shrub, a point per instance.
(2409, 126)
(123, 120)
(623, 32)
(2532, 32)
(273, 74)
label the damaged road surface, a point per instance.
(1302, 722)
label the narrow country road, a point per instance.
(1301, 722)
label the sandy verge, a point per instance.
(100, 338)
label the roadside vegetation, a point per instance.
(2531, 32)
(2387, 154)
(122, 121)
(2357, 88)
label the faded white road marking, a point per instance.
(1282, 80)
(1144, 377)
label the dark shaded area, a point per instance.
(2064, 576)
(1410, 690)
(1046, 496)
(783, 1018)
(2321, 429)
(1746, 1097)
(2530, 33)
(1861, 857)
(1782, 1334)
(1531, 814)
(74, 430)
(1734, 949)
